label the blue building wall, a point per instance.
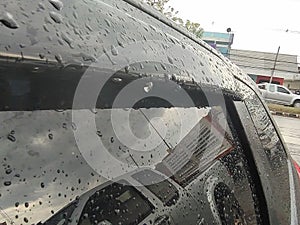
(219, 41)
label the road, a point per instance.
(290, 130)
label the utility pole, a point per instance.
(273, 70)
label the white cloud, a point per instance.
(257, 24)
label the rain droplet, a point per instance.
(107, 22)
(112, 140)
(58, 58)
(8, 20)
(170, 60)
(148, 87)
(25, 220)
(42, 185)
(42, 6)
(117, 79)
(26, 204)
(114, 51)
(56, 17)
(67, 39)
(57, 4)
(42, 56)
(75, 15)
(8, 171)
(74, 127)
(94, 111)
(50, 136)
(46, 28)
(87, 57)
(120, 43)
(7, 183)
(17, 204)
(11, 138)
(168, 77)
(99, 133)
(127, 68)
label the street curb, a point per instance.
(293, 115)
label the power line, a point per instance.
(266, 68)
(263, 59)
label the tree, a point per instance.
(170, 12)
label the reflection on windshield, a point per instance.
(115, 204)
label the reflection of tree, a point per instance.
(197, 150)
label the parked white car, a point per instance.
(279, 94)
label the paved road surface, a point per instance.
(290, 130)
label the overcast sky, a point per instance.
(257, 24)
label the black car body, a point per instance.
(112, 114)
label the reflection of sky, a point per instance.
(48, 170)
(35, 159)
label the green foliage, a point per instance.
(170, 12)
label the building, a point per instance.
(259, 66)
(219, 41)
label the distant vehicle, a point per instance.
(279, 94)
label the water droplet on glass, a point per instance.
(42, 6)
(64, 125)
(17, 204)
(8, 20)
(46, 28)
(114, 51)
(94, 111)
(107, 22)
(42, 185)
(117, 79)
(58, 58)
(127, 68)
(148, 87)
(8, 171)
(11, 138)
(120, 43)
(7, 183)
(170, 60)
(56, 17)
(74, 127)
(50, 136)
(87, 57)
(75, 15)
(99, 133)
(25, 220)
(42, 56)
(112, 140)
(168, 77)
(57, 4)
(67, 39)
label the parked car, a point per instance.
(112, 114)
(279, 94)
